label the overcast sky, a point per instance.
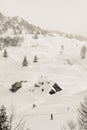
(64, 15)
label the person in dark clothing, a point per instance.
(51, 116)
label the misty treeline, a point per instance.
(17, 40)
(10, 41)
(9, 120)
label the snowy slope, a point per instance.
(59, 60)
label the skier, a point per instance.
(51, 116)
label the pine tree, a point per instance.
(83, 51)
(25, 62)
(4, 124)
(5, 54)
(35, 35)
(35, 59)
(82, 117)
(0, 47)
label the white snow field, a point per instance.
(59, 61)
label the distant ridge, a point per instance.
(72, 36)
(17, 25)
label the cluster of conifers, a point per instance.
(25, 61)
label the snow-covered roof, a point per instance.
(43, 84)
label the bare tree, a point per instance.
(82, 115)
(12, 115)
(15, 123)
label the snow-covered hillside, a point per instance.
(59, 60)
(17, 25)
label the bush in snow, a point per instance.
(25, 62)
(83, 51)
(5, 54)
(71, 125)
(4, 123)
